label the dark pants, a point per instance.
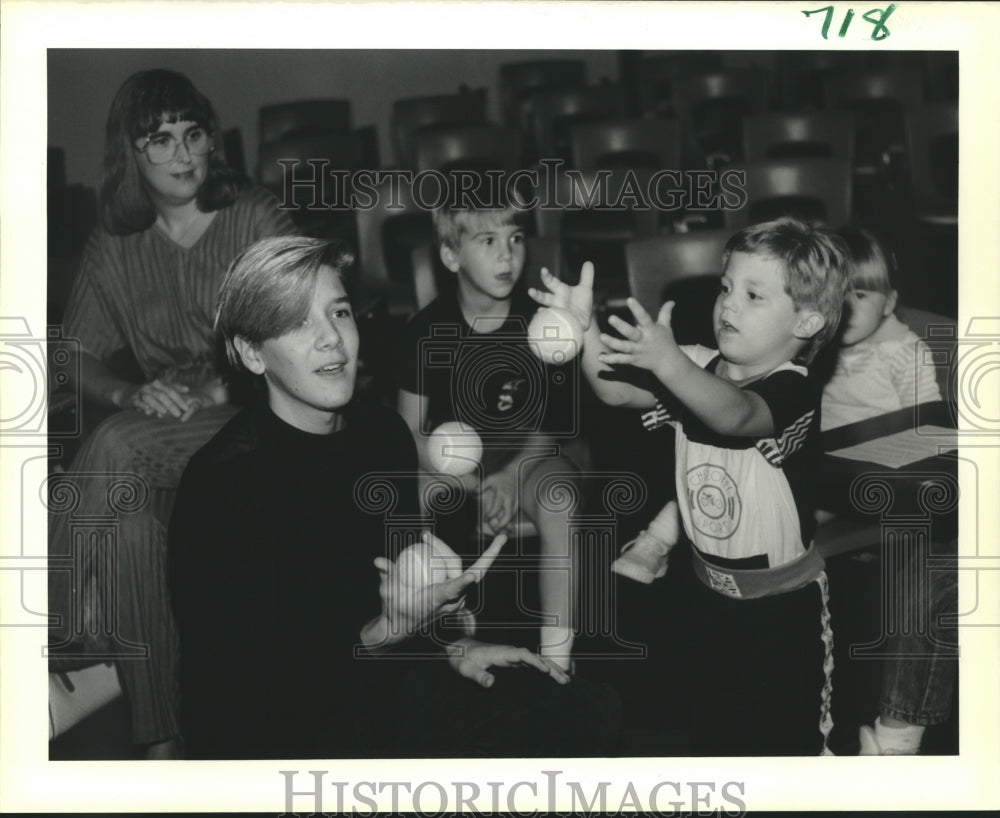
(524, 714)
(758, 682)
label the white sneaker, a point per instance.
(902, 741)
(644, 559)
(869, 743)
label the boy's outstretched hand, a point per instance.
(472, 659)
(407, 608)
(579, 300)
(649, 344)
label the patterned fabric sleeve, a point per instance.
(912, 376)
(89, 316)
(269, 218)
(793, 404)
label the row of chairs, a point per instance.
(818, 187)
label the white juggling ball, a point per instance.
(454, 449)
(555, 335)
(426, 563)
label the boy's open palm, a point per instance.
(649, 344)
(579, 300)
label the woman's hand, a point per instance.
(579, 300)
(472, 659)
(155, 398)
(211, 393)
(163, 398)
(407, 608)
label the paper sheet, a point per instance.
(902, 448)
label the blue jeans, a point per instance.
(919, 679)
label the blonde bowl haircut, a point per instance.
(816, 266)
(267, 290)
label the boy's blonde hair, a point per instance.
(490, 201)
(816, 264)
(268, 289)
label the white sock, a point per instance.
(664, 526)
(902, 740)
(556, 645)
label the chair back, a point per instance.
(657, 73)
(542, 252)
(802, 75)
(843, 89)
(601, 197)
(476, 147)
(798, 134)
(711, 106)
(635, 143)
(684, 268)
(309, 116)
(388, 231)
(337, 150)
(932, 161)
(412, 114)
(814, 190)
(556, 111)
(318, 202)
(877, 98)
(519, 79)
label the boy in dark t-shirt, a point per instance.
(465, 357)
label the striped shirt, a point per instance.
(888, 371)
(147, 293)
(746, 501)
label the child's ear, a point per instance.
(249, 355)
(890, 303)
(449, 258)
(808, 325)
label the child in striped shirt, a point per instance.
(879, 364)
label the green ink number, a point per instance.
(826, 23)
(877, 17)
(847, 22)
(880, 30)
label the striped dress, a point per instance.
(148, 294)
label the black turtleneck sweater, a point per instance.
(271, 578)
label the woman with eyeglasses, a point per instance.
(173, 216)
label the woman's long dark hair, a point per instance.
(142, 104)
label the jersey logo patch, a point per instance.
(713, 500)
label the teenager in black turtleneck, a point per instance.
(272, 540)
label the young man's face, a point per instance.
(489, 257)
(756, 324)
(310, 371)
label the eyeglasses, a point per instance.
(160, 148)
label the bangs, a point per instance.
(479, 220)
(286, 306)
(871, 274)
(168, 104)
